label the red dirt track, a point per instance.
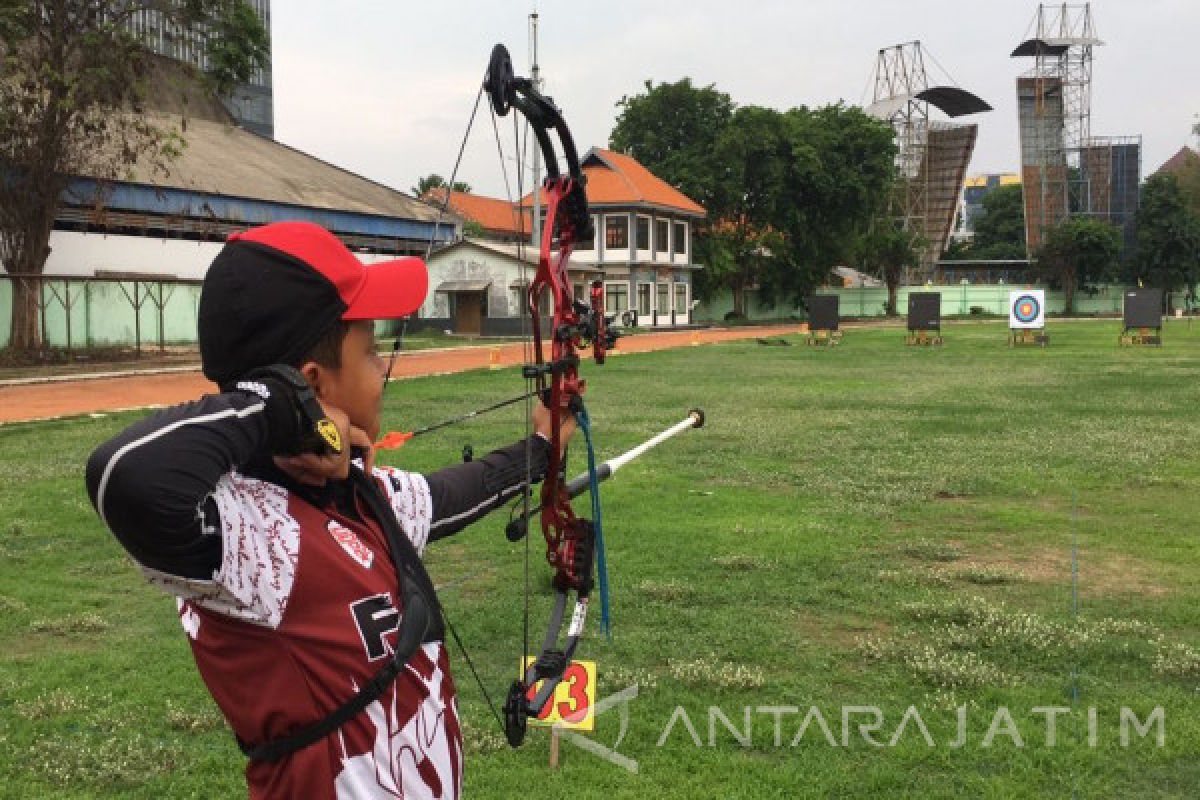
(50, 400)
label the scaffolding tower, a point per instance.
(932, 155)
(1111, 169)
(1064, 169)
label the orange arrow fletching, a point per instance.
(393, 440)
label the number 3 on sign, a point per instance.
(574, 701)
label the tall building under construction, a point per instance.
(1065, 170)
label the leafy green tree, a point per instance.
(673, 130)
(786, 192)
(72, 83)
(886, 250)
(957, 250)
(741, 245)
(1000, 229)
(1079, 252)
(1168, 237)
(841, 180)
(434, 181)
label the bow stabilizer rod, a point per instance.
(518, 526)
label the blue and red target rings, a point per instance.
(1027, 308)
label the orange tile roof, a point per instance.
(491, 213)
(1185, 157)
(617, 179)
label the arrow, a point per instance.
(394, 440)
(516, 529)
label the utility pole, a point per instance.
(535, 72)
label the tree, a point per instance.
(71, 91)
(797, 189)
(886, 250)
(841, 178)
(957, 250)
(1168, 237)
(786, 192)
(1000, 228)
(740, 246)
(435, 181)
(673, 129)
(1079, 252)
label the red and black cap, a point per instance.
(273, 292)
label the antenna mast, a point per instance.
(536, 75)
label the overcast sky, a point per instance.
(384, 88)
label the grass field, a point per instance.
(871, 525)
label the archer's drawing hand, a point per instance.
(315, 469)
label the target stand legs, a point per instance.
(1019, 337)
(1141, 336)
(924, 338)
(823, 338)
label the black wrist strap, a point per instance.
(421, 618)
(310, 430)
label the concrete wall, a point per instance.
(73, 253)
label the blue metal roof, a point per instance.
(146, 199)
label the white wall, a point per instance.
(73, 253)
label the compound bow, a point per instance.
(574, 544)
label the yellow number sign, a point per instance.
(574, 701)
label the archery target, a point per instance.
(1143, 308)
(823, 312)
(925, 311)
(1027, 309)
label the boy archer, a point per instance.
(296, 569)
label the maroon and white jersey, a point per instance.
(289, 595)
(319, 591)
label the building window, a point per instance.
(616, 297)
(643, 233)
(616, 232)
(662, 230)
(579, 292)
(681, 298)
(643, 299)
(680, 238)
(664, 298)
(588, 242)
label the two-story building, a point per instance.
(641, 250)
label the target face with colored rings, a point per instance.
(1026, 309)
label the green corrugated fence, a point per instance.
(956, 300)
(108, 312)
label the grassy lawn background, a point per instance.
(871, 525)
